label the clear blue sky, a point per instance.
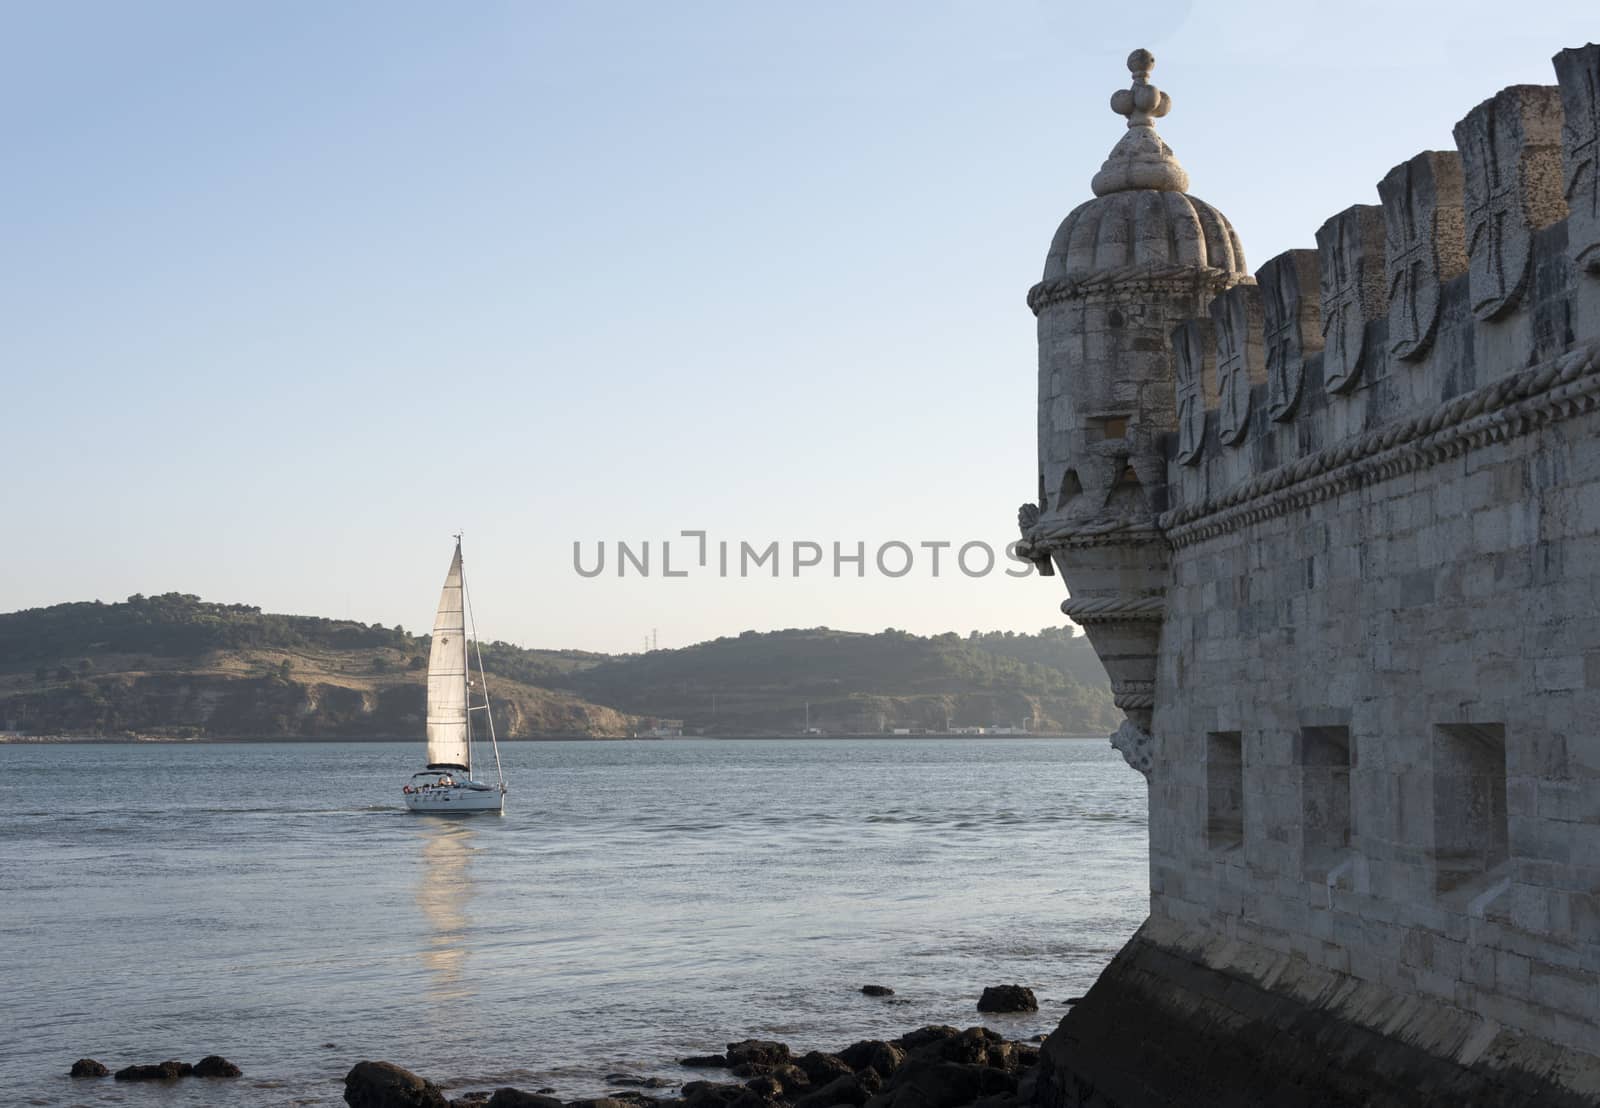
(294, 290)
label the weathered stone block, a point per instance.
(1193, 360)
(1578, 72)
(1511, 154)
(1292, 310)
(1236, 318)
(1425, 244)
(1350, 254)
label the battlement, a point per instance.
(1333, 528)
(1464, 305)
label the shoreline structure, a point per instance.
(1333, 528)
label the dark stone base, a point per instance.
(1163, 1028)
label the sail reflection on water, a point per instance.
(444, 891)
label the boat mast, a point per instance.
(483, 682)
(466, 663)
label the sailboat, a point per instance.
(447, 785)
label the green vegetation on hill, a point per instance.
(176, 665)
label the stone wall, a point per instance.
(1374, 750)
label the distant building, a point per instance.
(660, 729)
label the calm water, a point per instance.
(638, 901)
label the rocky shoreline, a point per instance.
(936, 1066)
(932, 1067)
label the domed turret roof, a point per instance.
(1141, 220)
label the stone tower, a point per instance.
(1123, 270)
(1335, 533)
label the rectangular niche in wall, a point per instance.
(1224, 790)
(1470, 835)
(1324, 799)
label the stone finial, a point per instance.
(1140, 160)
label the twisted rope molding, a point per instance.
(1135, 279)
(1556, 390)
(1096, 609)
(1079, 537)
(1134, 700)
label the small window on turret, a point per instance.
(1113, 427)
(1070, 487)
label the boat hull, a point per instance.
(448, 800)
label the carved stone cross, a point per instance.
(1293, 325)
(1350, 257)
(1236, 318)
(1425, 244)
(1511, 154)
(1578, 70)
(1191, 350)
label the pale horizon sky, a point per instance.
(294, 291)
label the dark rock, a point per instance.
(766, 1087)
(853, 1088)
(635, 1098)
(873, 1054)
(545, 1092)
(925, 1082)
(913, 1041)
(598, 1102)
(1024, 1055)
(330, 1046)
(793, 1079)
(877, 990)
(214, 1065)
(1071, 1000)
(88, 1067)
(822, 1068)
(1008, 998)
(169, 1070)
(976, 1046)
(705, 1061)
(762, 1052)
(386, 1085)
(752, 1069)
(476, 1099)
(640, 1082)
(508, 1097)
(749, 1098)
(709, 1094)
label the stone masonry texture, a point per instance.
(1334, 530)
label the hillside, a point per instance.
(176, 666)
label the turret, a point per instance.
(1122, 271)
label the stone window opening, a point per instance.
(1224, 790)
(1112, 427)
(1326, 824)
(1071, 487)
(1471, 832)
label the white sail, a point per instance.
(447, 677)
